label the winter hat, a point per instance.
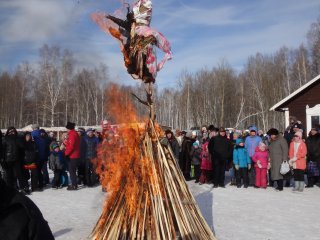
(297, 125)
(183, 132)
(70, 125)
(55, 145)
(89, 130)
(253, 128)
(81, 129)
(273, 131)
(262, 145)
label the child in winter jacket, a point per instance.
(57, 164)
(242, 163)
(260, 159)
(196, 159)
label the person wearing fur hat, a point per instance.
(297, 155)
(220, 148)
(278, 153)
(73, 152)
(241, 161)
(261, 160)
(251, 143)
(313, 156)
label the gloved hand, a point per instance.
(249, 166)
(269, 165)
(237, 167)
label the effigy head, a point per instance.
(142, 10)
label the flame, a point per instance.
(120, 162)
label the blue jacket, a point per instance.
(241, 156)
(251, 143)
(42, 145)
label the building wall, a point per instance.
(297, 106)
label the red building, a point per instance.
(303, 104)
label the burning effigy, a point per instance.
(147, 196)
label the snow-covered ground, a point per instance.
(238, 214)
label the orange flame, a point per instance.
(120, 163)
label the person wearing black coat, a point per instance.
(185, 156)
(220, 148)
(91, 153)
(30, 159)
(313, 157)
(20, 218)
(0, 153)
(12, 149)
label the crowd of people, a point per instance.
(251, 157)
(27, 156)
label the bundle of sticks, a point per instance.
(148, 197)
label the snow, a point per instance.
(241, 214)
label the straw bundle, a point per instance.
(148, 198)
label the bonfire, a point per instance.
(147, 196)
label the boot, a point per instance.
(301, 186)
(310, 182)
(296, 186)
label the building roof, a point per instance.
(299, 90)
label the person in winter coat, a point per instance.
(20, 218)
(196, 159)
(297, 156)
(242, 162)
(261, 160)
(206, 165)
(278, 153)
(82, 159)
(57, 164)
(185, 156)
(30, 160)
(90, 154)
(73, 152)
(43, 143)
(221, 150)
(12, 149)
(173, 143)
(313, 157)
(0, 154)
(251, 143)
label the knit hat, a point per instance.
(90, 130)
(55, 145)
(81, 129)
(262, 145)
(70, 125)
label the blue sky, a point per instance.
(201, 32)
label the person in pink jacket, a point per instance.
(260, 159)
(297, 156)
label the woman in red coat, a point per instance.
(297, 156)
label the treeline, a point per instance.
(223, 97)
(55, 91)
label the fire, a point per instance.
(121, 165)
